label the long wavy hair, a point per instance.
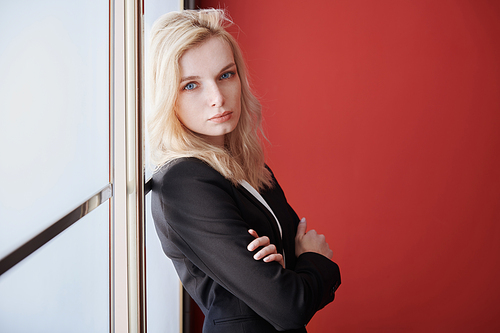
(242, 157)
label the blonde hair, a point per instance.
(242, 158)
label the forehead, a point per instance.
(208, 57)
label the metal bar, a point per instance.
(111, 94)
(55, 229)
(136, 268)
(190, 4)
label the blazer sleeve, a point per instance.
(204, 222)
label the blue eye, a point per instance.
(190, 86)
(226, 75)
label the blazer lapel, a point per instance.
(270, 218)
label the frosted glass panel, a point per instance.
(163, 287)
(153, 9)
(62, 287)
(54, 112)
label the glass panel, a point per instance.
(163, 287)
(164, 291)
(54, 112)
(62, 287)
(153, 9)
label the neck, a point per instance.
(218, 141)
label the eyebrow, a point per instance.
(195, 77)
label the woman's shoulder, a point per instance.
(189, 182)
(183, 168)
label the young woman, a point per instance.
(222, 218)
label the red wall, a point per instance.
(384, 119)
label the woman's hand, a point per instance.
(268, 252)
(310, 241)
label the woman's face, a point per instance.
(209, 99)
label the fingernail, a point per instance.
(303, 219)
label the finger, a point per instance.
(261, 241)
(265, 251)
(253, 233)
(313, 233)
(302, 227)
(270, 249)
(273, 257)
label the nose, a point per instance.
(216, 98)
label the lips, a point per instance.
(222, 117)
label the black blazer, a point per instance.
(202, 221)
